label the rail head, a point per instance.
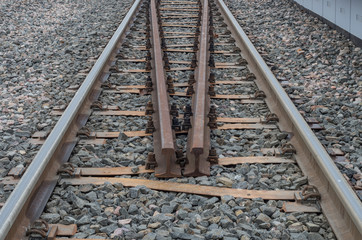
(201, 98)
(198, 139)
(163, 135)
(20, 195)
(163, 108)
(336, 181)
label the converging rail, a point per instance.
(164, 141)
(198, 142)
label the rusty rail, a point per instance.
(163, 136)
(198, 140)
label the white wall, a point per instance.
(346, 14)
(343, 14)
(356, 18)
(329, 10)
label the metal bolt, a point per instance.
(191, 79)
(151, 161)
(150, 127)
(176, 124)
(212, 90)
(211, 61)
(212, 78)
(190, 90)
(188, 111)
(186, 124)
(149, 108)
(174, 110)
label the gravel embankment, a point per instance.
(321, 65)
(44, 46)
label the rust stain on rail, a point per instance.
(198, 141)
(164, 145)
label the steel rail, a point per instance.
(22, 206)
(339, 203)
(198, 140)
(164, 136)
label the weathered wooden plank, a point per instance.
(119, 113)
(114, 171)
(65, 230)
(253, 160)
(186, 188)
(297, 207)
(247, 126)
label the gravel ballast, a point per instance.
(112, 210)
(320, 65)
(45, 46)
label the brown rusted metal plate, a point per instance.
(186, 188)
(297, 207)
(114, 171)
(252, 160)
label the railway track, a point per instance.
(190, 60)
